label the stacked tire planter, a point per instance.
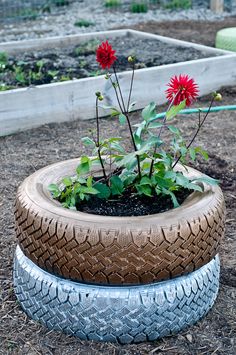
(121, 279)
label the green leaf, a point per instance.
(88, 141)
(76, 188)
(103, 190)
(192, 153)
(170, 175)
(90, 181)
(144, 190)
(106, 107)
(163, 182)
(183, 150)
(115, 113)
(150, 142)
(127, 177)
(89, 190)
(40, 63)
(195, 187)
(129, 161)
(155, 125)
(72, 202)
(117, 147)
(67, 181)
(146, 166)
(207, 179)
(84, 166)
(149, 111)
(157, 190)
(84, 159)
(117, 185)
(122, 119)
(174, 110)
(167, 159)
(54, 189)
(81, 180)
(53, 73)
(173, 129)
(138, 140)
(182, 180)
(145, 181)
(114, 139)
(65, 205)
(173, 198)
(81, 196)
(202, 152)
(131, 106)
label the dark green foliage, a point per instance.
(83, 23)
(123, 165)
(112, 3)
(139, 7)
(86, 48)
(178, 4)
(60, 2)
(29, 14)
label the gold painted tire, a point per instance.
(116, 250)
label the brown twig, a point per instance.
(125, 113)
(98, 141)
(164, 122)
(119, 88)
(200, 124)
(131, 87)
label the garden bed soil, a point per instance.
(130, 204)
(25, 152)
(48, 66)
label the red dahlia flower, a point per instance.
(182, 88)
(106, 55)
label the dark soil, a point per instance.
(203, 32)
(130, 204)
(44, 67)
(25, 152)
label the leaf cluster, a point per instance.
(157, 174)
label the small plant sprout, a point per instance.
(112, 3)
(152, 167)
(139, 7)
(83, 23)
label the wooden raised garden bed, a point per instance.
(29, 107)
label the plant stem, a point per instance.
(131, 88)
(164, 122)
(98, 142)
(119, 88)
(200, 124)
(117, 96)
(125, 113)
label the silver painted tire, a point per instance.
(111, 313)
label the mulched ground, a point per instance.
(25, 152)
(193, 31)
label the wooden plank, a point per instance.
(27, 108)
(178, 42)
(217, 6)
(60, 42)
(16, 47)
